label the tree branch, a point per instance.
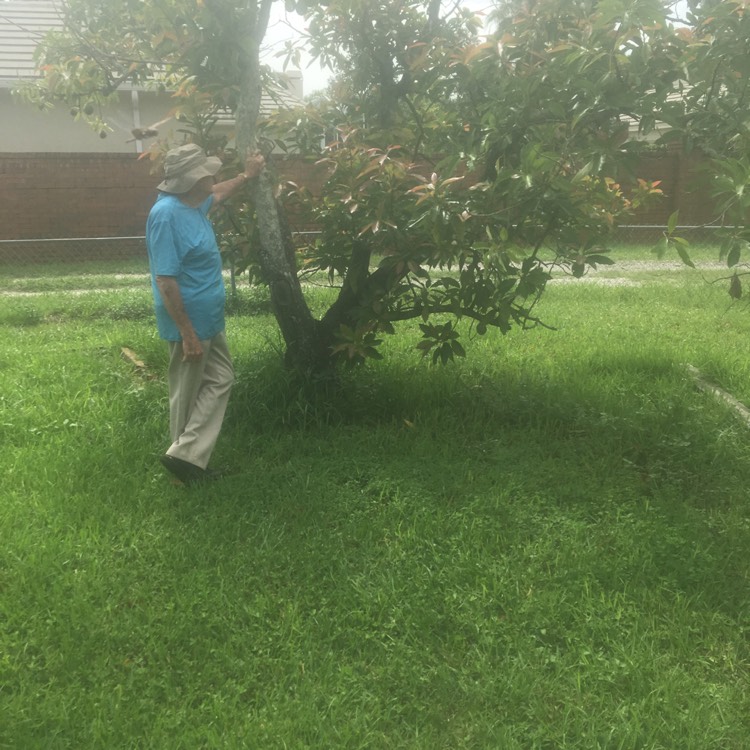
(412, 313)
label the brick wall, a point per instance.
(305, 173)
(73, 195)
(92, 195)
(109, 195)
(685, 185)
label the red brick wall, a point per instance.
(74, 195)
(92, 195)
(685, 185)
(306, 174)
(109, 195)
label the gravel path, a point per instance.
(602, 276)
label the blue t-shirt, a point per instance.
(181, 243)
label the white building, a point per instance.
(25, 129)
(58, 177)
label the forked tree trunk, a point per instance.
(305, 349)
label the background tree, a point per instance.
(711, 116)
(464, 172)
(386, 55)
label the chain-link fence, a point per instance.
(72, 250)
(87, 250)
(118, 249)
(648, 235)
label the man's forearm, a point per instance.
(253, 167)
(172, 298)
(226, 189)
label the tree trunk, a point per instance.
(300, 330)
(305, 349)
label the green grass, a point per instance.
(73, 270)
(544, 546)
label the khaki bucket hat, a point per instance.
(184, 166)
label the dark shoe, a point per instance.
(186, 472)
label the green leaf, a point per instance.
(735, 287)
(682, 252)
(725, 247)
(672, 222)
(661, 247)
(733, 257)
(585, 171)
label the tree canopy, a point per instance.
(464, 170)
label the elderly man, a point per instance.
(189, 300)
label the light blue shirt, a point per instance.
(181, 243)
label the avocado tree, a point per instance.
(465, 171)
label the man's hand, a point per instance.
(170, 293)
(192, 351)
(254, 164)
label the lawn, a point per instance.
(543, 546)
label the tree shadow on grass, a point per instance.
(326, 471)
(611, 440)
(645, 413)
(413, 532)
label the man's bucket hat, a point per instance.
(184, 166)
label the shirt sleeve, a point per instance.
(165, 255)
(207, 204)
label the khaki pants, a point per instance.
(198, 395)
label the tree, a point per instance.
(208, 52)
(534, 127)
(465, 171)
(712, 116)
(386, 55)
